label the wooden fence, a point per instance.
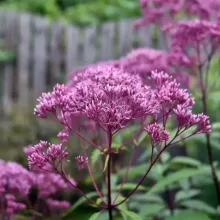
(45, 50)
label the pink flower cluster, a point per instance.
(111, 97)
(189, 37)
(142, 61)
(162, 12)
(106, 95)
(16, 183)
(43, 154)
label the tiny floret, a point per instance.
(81, 161)
(157, 133)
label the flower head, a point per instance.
(81, 161)
(46, 153)
(157, 133)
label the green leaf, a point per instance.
(129, 186)
(131, 214)
(95, 216)
(151, 209)
(102, 215)
(216, 126)
(165, 156)
(79, 202)
(199, 205)
(95, 156)
(186, 194)
(106, 163)
(175, 177)
(189, 215)
(187, 161)
(134, 171)
(151, 198)
(141, 138)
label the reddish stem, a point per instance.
(203, 88)
(109, 176)
(126, 174)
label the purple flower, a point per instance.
(46, 153)
(16, 183)
(186, 120)
(58, 205)
(63, 135)
(81, 161)
(157, 133)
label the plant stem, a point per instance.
(203, 88)
(109, 176)
(209, 148)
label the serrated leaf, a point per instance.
(175, 177)
(186, 194)
(189, 215)
(106, 163)
(131, 215)
(79, 202)
(199, 205)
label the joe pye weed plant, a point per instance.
(113, 99)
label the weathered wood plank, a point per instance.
(107, 44)
(89, 45)
(55, 51)
(145, 34)
(23, 58)
(72, 45)
(2, 23)
(125, 37)
(162, 44)
(40, 55)
(9, 70)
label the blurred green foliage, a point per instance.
(79, 12)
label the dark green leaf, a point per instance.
(95, 216)
(186, 194)
(199, 205)
(151, 210)
(79, 202)
(188, 161)
(175, 177)
(131, 215)
(129, 186)
(189, 215)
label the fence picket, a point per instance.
(23, 58)
(55, 51)
(145, 34)
(72, 45)
(39, 45)
(107, 42)
(89, 45)
(9, 83)
(39, 55)
(125, 38)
